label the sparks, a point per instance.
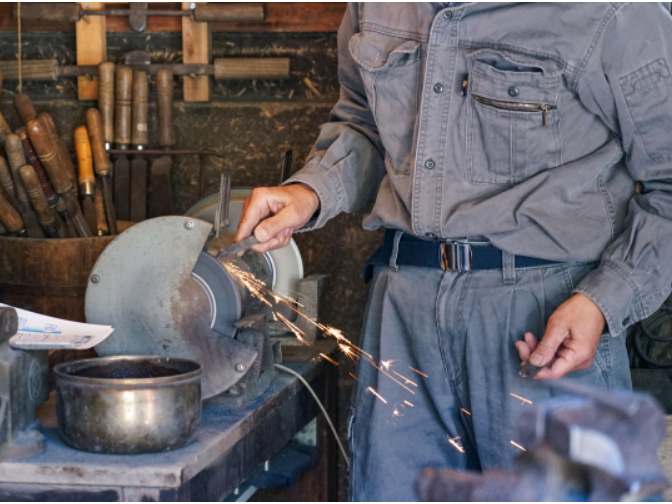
(396, 413)
(521, 398)
(419, 372)
(406, 380)
(355, 378)
(347, 351)
(465, 411)
(329, 359)
(409, 404)
(455, 442)
(387, 363)
(518, 446)
(391, 377)
(297, 332)
(376, 394)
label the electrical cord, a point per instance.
(319, 403)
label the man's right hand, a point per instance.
(291, 208)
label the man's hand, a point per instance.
(570, 341)
(291, 206)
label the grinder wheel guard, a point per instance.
(165, 296)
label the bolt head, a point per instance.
(240, 368)
(95, 279)
(188, 225)
(192, 6)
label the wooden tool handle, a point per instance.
(46, 150)
(9, 216)
(87, 179)
(139, 108)
(16, 158)
(24, 107)
(48, 11)
(5, 130)
(36, 195)
(95, 128)
(101, 220)
(241, 12)
(252, 68)
(122, 116)
(106, 99)
(64, 158)
(34, 161)
(164, 107)
(32, 69)
(6, 180)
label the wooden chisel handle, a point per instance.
(10, 217)
(95, 128)
(251, 68)
(122, 116)
(7, 183)
(39, 201)
(24, 107)
(106, 99)
(47, 11)
(61, 150)
(101, 220)
(5, 130)
(34, 161)
(164, 107)
(16, 158)
(87, 180)
(231, 12)
(46, 150)
(139, 109)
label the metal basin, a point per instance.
(128, 404)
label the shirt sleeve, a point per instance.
(346, 165)
(627, 83)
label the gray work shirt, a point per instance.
(526, 124)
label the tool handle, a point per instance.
(16, 158)
(9, 216)
(48, 11)
(95, 128)
(139, 108)
(251, 68)
(164, 107)
(31, 69)
(24, 107)
(101, 221)
(5, 130)
(37, 196)
(34, 161)
(229, 12)
(46, 150)
(6, 180)
(87, 179)
(122, 116)
(106, 99)
(64, 158)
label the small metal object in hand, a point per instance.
(529, 370)
(241, 246)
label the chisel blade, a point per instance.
(122, 187)
(89, 209)
(236, 248)
(138, 211)
(159, 188)
(529, 370)
(109, 205)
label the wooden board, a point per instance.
(91, 49)
(196, 48)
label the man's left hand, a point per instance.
(570, 341)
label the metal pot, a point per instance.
(128, 404)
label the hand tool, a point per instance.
(164, 107)
(138, 12)
(61, 150)
(17, 159)
(286, 169)
(236, 248)
(45, 214)
(221, 69)
(7, 183)
(222, 213)
(24, 108)
(47, 152)
(11, 218)
(529, 370)
(4, 130)
(138, 193)
(160, 192)
(106, 100)
(87, 180)
(101, 219)
(101, 163)
(122, 138)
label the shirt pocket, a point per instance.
(512, 124)
(390, 67)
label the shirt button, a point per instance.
(513, 91)
(430, 164)
(438, 87)
(626, 321)
(448, 14)
(430, 235)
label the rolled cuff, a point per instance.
(327, 192)
(614, 292)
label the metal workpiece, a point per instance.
(128, 404)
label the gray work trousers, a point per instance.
(459, 330)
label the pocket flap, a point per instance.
(375, 51)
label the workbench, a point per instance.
(232, 444)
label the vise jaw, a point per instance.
(23, 387)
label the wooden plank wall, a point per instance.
(280, 17)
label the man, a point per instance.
(501, 146)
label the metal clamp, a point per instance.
(455, 256)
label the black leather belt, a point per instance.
(449, 256)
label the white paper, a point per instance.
(39, 332)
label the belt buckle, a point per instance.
(456, 256)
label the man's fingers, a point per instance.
(559, 368)
(524, 350)
(255, 208)
(531, 340)
(553, 337)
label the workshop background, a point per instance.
(253, 122)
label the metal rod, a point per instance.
(157, 152)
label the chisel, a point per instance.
(236, 248)
(101, 219)
(37, 198)
(159, 177)
(61, 149)
(101, 163)
(138, 201)
(11, 218)
(87, 180)
(5, 130)
(17, 159)
(24, 108)
(7, 183)
(529, 370)
(47, 152)
(106, 100)
(122, 138)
